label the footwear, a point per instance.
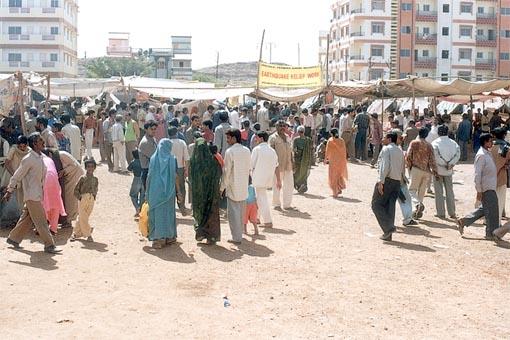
(410, 223)
(170, 240)
(386, 236)
(278, 208)
(157, 245)
(234, 242)
(460, 225)
(290, 208)
(211, 242)
(52, 250)
(90, 239)
(14, 244)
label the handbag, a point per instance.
(143, 223)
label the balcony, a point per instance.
(358, 11)
(485, 64)
(426, 16)
(357, 34)
(38, 66)
(19, 64)
(38, 12)
(119, 51)
(428, 63)
(357, 57)
(484, 41)
(25, 40)
(486, 19)
(426, 39)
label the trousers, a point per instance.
(82, 227)
(463, 150)
(406, 207)
(489, 209)
(33, 215)
(181, 183)
(130, 147)
(89, 140)
(108, 149)
(383, 205)
(287, 178)
(445, 182)
(501, 193)
(235, 212)
(420, 181)
(119, 156)
(347, 137)
(360, 143)
(137, 193)
(263, 205)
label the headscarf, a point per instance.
(161, 177)
(205, 174)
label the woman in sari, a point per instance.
(52, 202)
(205, 171)
(336, 157)
(161, 194)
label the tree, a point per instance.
(106, 67)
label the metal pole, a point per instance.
(258, 72)
(217, 64)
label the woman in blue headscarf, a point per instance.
(161, 195)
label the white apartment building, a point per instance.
(39, 36)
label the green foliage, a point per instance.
(204, 78)
(106, 67)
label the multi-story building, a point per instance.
(444, 39)
(181, 63)
(118, 45)
(39, 36)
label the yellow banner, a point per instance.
(271, 75)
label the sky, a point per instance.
(232, 28)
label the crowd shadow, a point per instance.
(503, 244)
(171, 253)
(97, 246)
(220, 253)
(251, 248)
(410, 246)
(296, 214)
(414, 231)
(312, 196)
(183, 221)
(437, 225)
(278, 231)
(38, 260)
(347, 200)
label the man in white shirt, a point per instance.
(119, 146)
(233, 117)
(346, 132)
(447, 154)
(264, 165)
(180, 151)
(208, 114)
(47, 135)
(73, 133)
(151, 114)
(235, 181)
(263, 117)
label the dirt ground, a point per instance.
(321, 272)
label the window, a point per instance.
(405, 53)
(446, 31)
(466, 31)
(14, 30)
(444, 76)
(425, 75)
(465, 54)
(479, 77)
(479, 32)
(505, 10)
(466, 7)
(378, 5)
(54, 3)
(479, 55)
(14, 57)
(378, 27)
(407, 30)
(181, 64)
(505, 34)
(446, 8)
(376, 74)
(504, 56)
(14, 3)
(425, 53)
(402, 75)
(426, 8)
(54, 31)
(377, 51)
(466, 75)
(53, 57)
(445, 54)
(426, 30)
(406, 7)
(481, 10)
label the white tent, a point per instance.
(72, 87)
(419, 103)
(377, 105)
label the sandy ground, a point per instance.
(321, 272)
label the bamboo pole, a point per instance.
(414, 96)
(48, 92)
(258, 71)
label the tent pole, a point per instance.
(258, 71)
(20, 102)
(414, 97)
(48, 78)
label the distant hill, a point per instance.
(231, 74)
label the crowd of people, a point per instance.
(225, 160)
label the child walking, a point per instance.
(86, 192)
(136, 193)
(251, 212)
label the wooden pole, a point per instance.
(20, 102)
(327, 63)
(217, 65)
(48, 92)
(414, 97)
(258, 72)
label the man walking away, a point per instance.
(447, 155)
(73, 133)
(485, 184)
(31, 174)
(501, 157)
(386, 191)
(281, 143)
(220, 134)
(180, 151)
(119, 146)
(463, 136)
(361, 122)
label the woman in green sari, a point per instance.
(303, 152)
(205, 171)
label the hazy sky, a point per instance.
(234, 28)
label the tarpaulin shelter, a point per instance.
(72, 87)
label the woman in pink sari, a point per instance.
(52, 203)
(336, 157)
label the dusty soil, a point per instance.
(321, 272)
